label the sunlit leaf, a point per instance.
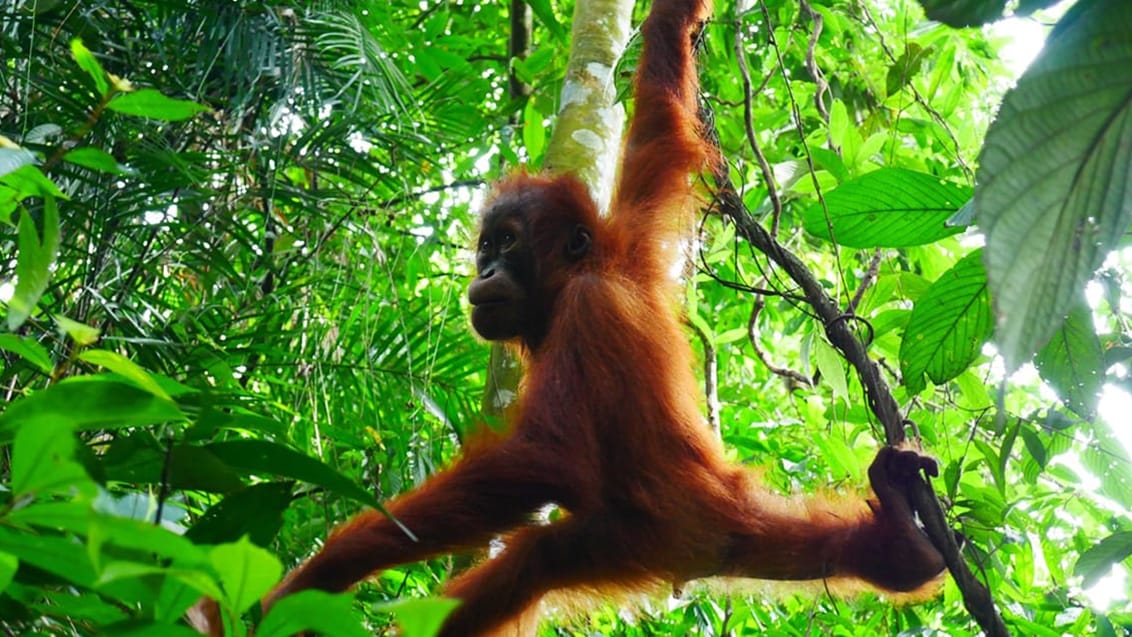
(95, 159)
(948, 325)
(892, 207)
(1073, 362)
(312, 610)
(1098, 561)
(43, 461)
(33, 262)
(246, 571)
(28, 349)
(149, 102)
(89, 63)
(1053, 175)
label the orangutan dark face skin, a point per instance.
(509, 298)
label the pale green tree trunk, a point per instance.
(586, 140)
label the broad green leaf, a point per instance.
(973, 394)
(832, 368)
(29, 181)
(261, 456)
(1053, 196)
(80, 333)
(181, 467)
(225, 417)
(43, 461)
(319, 611)
(1107, 459)
(838, 123)
(906, 67)
(246, 571)
(8, 565)
(967, 13)
(891, 208)
(143, 537)
(148, 102)
(28, 349)
(1097, 561)
(95, 159)
(33, 263)
(48, 514)
(948, 326)
(89, 63)
(255, 511)
(133, 629)
(59, 555)
(545, 12)
(89, 402)
(125, 367)
(1073, 362)
(421, 617)
(534, 131)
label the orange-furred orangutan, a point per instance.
(608, 425)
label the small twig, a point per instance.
(792, 377)
(866, 282)
(749, 127)
(711, 378)
(811, 61)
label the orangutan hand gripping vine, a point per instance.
(608, 426)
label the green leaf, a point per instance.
(246, 571)
(43, 461)
(1053, 196)
(1097, 561)
(80, 333)
(891, 208)
(906, 67)
(838, 124)
(53, 514)
(33, 264)
(58, 555)
(89, 63)
(1073, 362)
(95, 159)
(28, 349)
(133, 629)
(150, 103)
(12, 159)
(182, 467)
(948, 325)
(964, 13)
(545, 12)
(255, 512)
(534, 131)
(313, 610)
(261, 456)
(89, 402)
(29, 181)
(1107, 459)
(832, 368)
(8, 566)
(142, 537)
(125, 367)
(421, 617)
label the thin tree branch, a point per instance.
(976, 597)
